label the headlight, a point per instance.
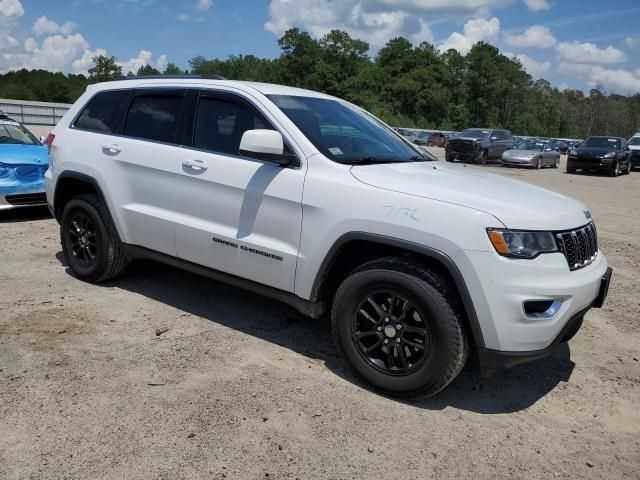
(510, 243)
(610, 155)
(573, 152)
(531, 155)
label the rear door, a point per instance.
(145, 162)
(236, 214)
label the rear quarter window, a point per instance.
(104, 112)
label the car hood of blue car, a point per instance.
(22, 168)
(11, 154)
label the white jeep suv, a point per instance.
(311, 200)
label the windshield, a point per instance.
(530, 145)
(14, 133)
(475, 133)
(346, 134)
(601, 142)
(634, 141)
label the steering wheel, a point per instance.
(352, 145)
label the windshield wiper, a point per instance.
(373, 160)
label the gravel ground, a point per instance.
(243, 387)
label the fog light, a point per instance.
(541, 308)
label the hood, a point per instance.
(634, 147)
(466, 139)
(11, 154)
(520, 153)
(518, 205)
(599, 151)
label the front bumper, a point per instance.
(520, 162)
(495, 359)
(501, 287)
(27, 198)
(603, 164)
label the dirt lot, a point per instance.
(243, 387)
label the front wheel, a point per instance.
(398, 327)
(616, 170)
(556, 164)
(483, 158)
(539, 164)
(450, 157)
(89, 240)
(570, 167)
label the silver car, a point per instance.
(531, 153)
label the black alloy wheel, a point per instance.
(82, 239)
(391, 333)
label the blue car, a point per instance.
(23, 161)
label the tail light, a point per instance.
(50, 140)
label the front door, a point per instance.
(235, 214)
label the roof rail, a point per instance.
(169, 77)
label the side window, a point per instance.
(103, 112)
(499, 134)
(508, 135)
(154, 117)
(220, 124)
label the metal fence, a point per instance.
(34, 113)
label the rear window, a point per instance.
(154, 117)
(104, 111)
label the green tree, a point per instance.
(147, 70)
(104, 69)
(173, 69)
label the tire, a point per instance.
(556, 164)
(450, 157)
(483, 158)
(628, 171)
(539, 164)
(429, 303)
(570, 168)
(94, 261)
(616, 170)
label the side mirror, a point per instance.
(267, 145)
(493, 139)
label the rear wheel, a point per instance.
(89, 241)
(398, 327)
(556, 164)
(628, 171)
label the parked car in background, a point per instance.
(602, 154)
(531, 153)
(437, 139)
(479, 145)
(634, 149)
(417, 138)
(23, 161)
(558, 145)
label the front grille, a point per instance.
(27, 199)
(463, 146)
(580, 246)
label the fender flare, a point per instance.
(409, 246)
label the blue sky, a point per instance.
(572, 43)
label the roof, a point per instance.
(264, 88)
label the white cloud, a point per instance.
(30, 45)
(145, 57)
(204, 4)
(12, 42)
(474, 31)
(85, 62)
(375, 21)
(632, 42)
(534, 36)
(11, 8)
(44, 26)
(589, 53)
(536, 69)
(617, 81)
(183, 17)
(537, 5)
(55, 53)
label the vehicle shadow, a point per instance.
(249, 313)
(25, 214)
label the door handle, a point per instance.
(111, 149)
(196, 165)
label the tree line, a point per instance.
(403, 84)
